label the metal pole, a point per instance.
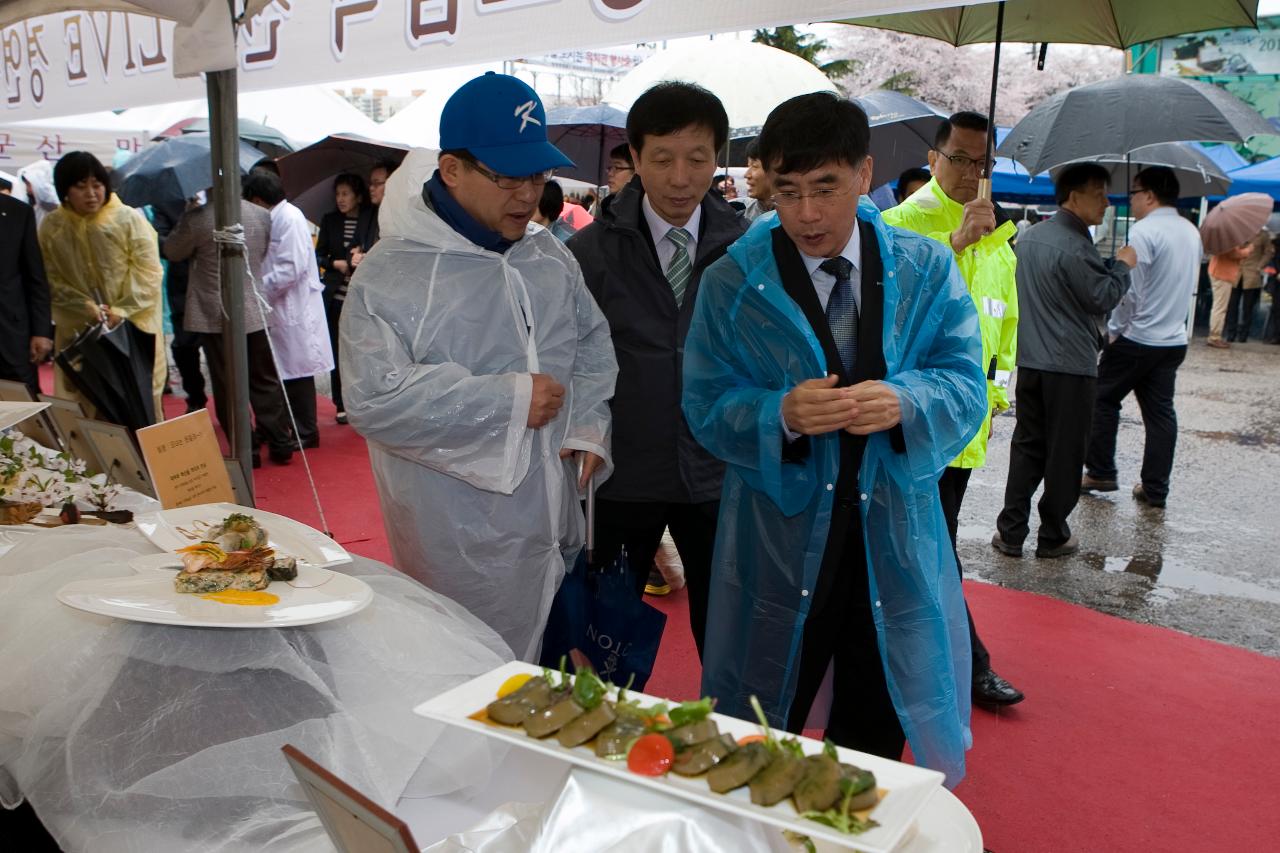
(984, 185)
(224, 149)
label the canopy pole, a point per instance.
(224, 151)
(984, 185)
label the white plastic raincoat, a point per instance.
(439, 338)
(748, 345)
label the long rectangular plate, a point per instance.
(908, 787)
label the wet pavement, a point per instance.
(1209, 563)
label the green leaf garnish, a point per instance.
(691, 712)
(588, 690)
(829, 749)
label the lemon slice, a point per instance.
(512, 684)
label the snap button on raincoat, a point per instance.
(439, 341)
(748, 345)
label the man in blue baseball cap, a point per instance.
(481, 367)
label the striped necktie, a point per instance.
(842, 311)
(680, 268)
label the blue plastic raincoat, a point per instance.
(748, 345)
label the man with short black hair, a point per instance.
(643, 259)
(478, 367)
(1065, 290)
(832, 363)
(26, 326)
(910, 181)
(621, 168)
(759, 201)
(1148, 339)
(948, 209)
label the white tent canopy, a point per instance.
(750, 79)
(418, 124)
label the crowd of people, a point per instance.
(794, 386)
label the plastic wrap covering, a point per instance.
(596, 814)
(439, 338)
(748, 345)
(133, 738)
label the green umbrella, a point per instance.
(1113, 23)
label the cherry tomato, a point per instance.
(651, 755)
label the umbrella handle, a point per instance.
(591, 508)
(984, 188)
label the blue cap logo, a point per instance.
(500, 120)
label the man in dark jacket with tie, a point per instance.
(642, 260)
(26, 328)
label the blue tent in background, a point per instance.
(1261, 177)
(1225, 156)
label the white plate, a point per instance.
(320, 596)
(289, 538)
(909, 788)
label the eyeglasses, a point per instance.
(822, 198)
(507, 182)
(963, 163)
(614, 168)
(1136, 190)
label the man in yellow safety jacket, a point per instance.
(948, 210)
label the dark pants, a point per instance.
(333, 314)
(841, 631)
(186, 355)
(951, 488)
(1240, 310)
(302, 399)
(638, 528)
(1149, 372)
(21, 370)
(1049, 441)
(271, 419)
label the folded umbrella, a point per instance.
(1234, 222)
(173, 170)
(113, 368)
(307, 174)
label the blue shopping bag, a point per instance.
(598, 611)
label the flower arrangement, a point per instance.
(32, 474)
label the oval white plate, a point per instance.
(150, 597)
(172, 529)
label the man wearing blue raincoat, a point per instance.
(834, 363)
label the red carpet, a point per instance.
(1133, 738)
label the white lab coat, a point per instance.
(292, 286)
(439, 338)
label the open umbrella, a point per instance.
(586, 135)
(1237, 220)
(271, 142)
(902, 130)
(1114, 23)
(308, 174)
(1116, 116)
(1196, 172)
(173, 170)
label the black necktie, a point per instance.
(842, 311)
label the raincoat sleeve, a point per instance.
(437, 414)
(69, 295)
(1007, 350)
(943, 397)
(729, 410)
(595, 369)
(140, 293)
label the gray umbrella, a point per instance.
(1124, 113)
(586, 135)
(902, 131)
(1197, 174)
(173, 170)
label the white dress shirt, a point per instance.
(824, 282)
(659, 227)
(1154, 311)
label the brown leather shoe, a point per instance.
(1218, 343)
(1066, 549)
(1089, 483)
(1009, 550)
(1140, 495)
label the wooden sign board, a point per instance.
(355, 823)
(185, 461)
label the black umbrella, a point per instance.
(173, 170)
(271, 142)
(307, 174)
(113, 368)
(586, 135)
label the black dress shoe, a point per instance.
(993, 691)
(311, 443)
(257, 459)
(281, 457)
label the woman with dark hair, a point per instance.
(103, 263)
(347, 229)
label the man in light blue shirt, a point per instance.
(1148, 339)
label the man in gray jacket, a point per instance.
(1065, 290)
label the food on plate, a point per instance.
(283, 569)
(685, 739)
(18, 513)
(233, 557)
(237, 532)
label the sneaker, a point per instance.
(341, 417)
(1090, 483)
(1140, 495)
(657, 585)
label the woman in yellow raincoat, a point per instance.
(98, 248)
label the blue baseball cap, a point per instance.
(500, 120)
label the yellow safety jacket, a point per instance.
(988, 268)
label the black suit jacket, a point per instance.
(24, 290)
(329, 243)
